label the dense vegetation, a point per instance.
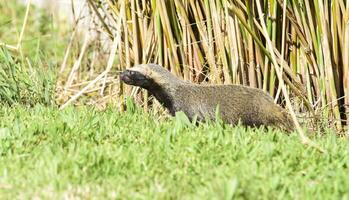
(297, 50)
(28, 74)
(82, 152)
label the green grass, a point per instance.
(22, 83)
(43, 37)
(28, 76)
(81, 152)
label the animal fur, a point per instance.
(250, 106)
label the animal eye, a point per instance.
(132, 72)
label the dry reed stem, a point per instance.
(110, 34)
(24, 25)
(21, 35)
(114, 48)
(99, 77)
(77, 63)
(71, 39)
(9, 47)
(67, 51)
(81, 92)
(346, 62)
(281, 82)
(304, 139)
(215, 43)
(296, 87)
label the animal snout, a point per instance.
(125, 76)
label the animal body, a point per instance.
(250, 106)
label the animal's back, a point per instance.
(236, 103)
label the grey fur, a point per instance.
(250, 106)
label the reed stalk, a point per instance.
(225, 41)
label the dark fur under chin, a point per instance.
(250, 106)
(164, 98)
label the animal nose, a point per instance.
(124, 76)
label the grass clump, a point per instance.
(81, 152)
(28, 74)
(20, 83)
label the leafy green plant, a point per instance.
(21, 83)
(28, 69)
(80, 152)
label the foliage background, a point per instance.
(252, 43)
(81, 152)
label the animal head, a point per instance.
(148, 76)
